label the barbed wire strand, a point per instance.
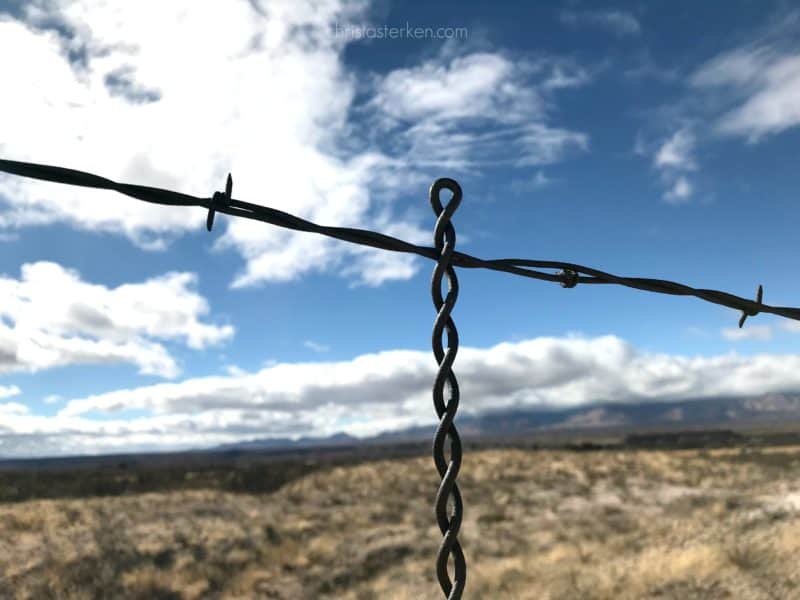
(570, 275)
(444, 237)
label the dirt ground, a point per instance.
(538, 524)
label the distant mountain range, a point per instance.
(767, 409)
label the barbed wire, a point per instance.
(570, 274)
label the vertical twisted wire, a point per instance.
(444, 238)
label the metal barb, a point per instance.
(444, 238)
(751, 313)
(220, 199)
(569, 278)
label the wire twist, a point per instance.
(444, 238)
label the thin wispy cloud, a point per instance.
(619, 22)
(750, 91)
(680, 191)
(697, 331)
(537, 181)
(315, 346)
(234, 371)
(673, 158)
(758, 83)
(676, 151)
(751, 332)
(792, 326)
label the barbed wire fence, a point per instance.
(447, 258)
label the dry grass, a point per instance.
(547, 524)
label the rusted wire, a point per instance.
(515, 266)
(444, 238)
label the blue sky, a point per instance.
(643, 139)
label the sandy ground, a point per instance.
(546, 524)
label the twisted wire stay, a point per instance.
(445, 241)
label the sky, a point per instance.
(643, 139)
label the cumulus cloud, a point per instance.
(87, 323)
(619, 22)
(479, 109)
(274, 104)
(267, 104)
(13, 408)
(386, 391)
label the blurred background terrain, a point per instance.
(592, 514)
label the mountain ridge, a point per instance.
(706, 412)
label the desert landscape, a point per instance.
(613, 522)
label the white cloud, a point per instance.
(86, 323)
(750, 91)
(758, 83)
(389, 390)
(6, 391)
(536, 182)
(235, 371)
(12, 408)
(477, 110)
(673, 158)
(644, 66)
(467, 86)
(676, 151)
(315, 346)
(767, 83)
(751, 332)
(680, 191)
(565, 75)
(269, 104)
(619, 22)
(273, 104)
(792, 326)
